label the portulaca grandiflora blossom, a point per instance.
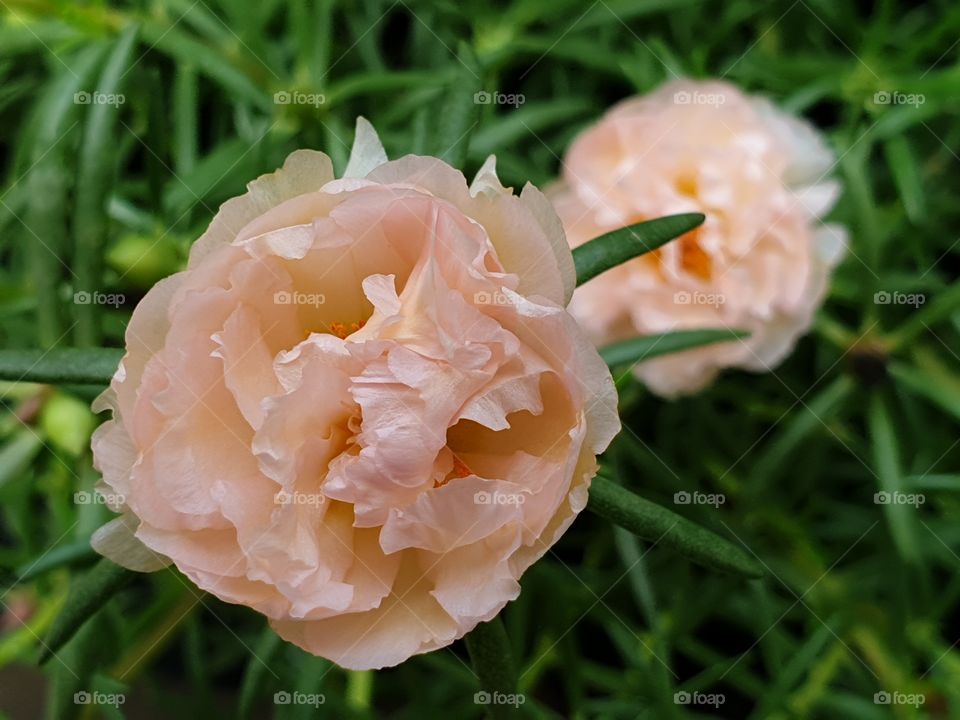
(761, 261)
(362, 409)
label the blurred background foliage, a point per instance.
(106, 197)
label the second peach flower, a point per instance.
(761, 261)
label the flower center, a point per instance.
(460, 470)
(342, 330)
(693, 259)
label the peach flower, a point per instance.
(761, 261)
(362, 410)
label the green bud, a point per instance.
(142, 260)
(67, 423)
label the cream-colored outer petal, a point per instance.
(552, 227)
(367, 152)
(488, 184)
(303, 171)
(117, 541)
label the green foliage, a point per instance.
(618, 246)
(636, 350)
(665, 528)
(61, 366)
(86, 597)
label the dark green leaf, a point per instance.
(655, 523)
(618, 246)
(492, 660)
(458, 116)
(97, 161)
(637, 350)
(17, 454)
(48, 183)
(886, 459)
(906, 174)
(797, 429)
(70, 365)
(930, 379)
(88, 594)
(256, 670)
(73, 554)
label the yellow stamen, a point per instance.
(340, 330)
(693, 259)
(460, 470)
